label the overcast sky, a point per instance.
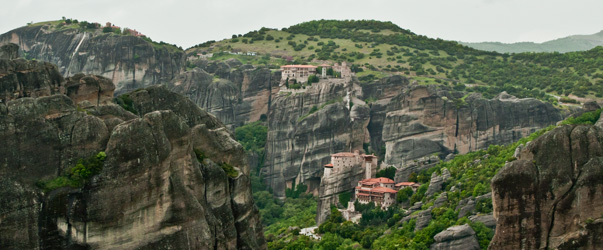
(187, 23)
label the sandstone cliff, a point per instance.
(300, 142)
(162, 185)
(550, 197)
(233, 92)
(130, 62)
(424, 120)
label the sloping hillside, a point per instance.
(561, 45)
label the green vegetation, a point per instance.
(126, 103)
(389, 172)
(344, 198)
(470, 175)
(77, 176)
(252, 136)
(378, 49)
(229, 170)
(588, 118)
(404, 194)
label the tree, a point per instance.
(404, 194)
(389, 172)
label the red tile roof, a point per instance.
(330, 165)
(383, 190)
(298, 66)
(379, 180)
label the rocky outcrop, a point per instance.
(455, 238)
(407, 168)
(9, 51)
(238, 96)
(129, 61)
(334, 184)
(487, 219)
(89, 90)
(425, 120)
(22, 78)
(300, 142)
(153, 192)
(550, 197)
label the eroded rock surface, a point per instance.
(152, 193)
(550, 198)
(424, 120)
(456, 238)
(129, 61)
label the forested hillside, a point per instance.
(377, 49)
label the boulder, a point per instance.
(456, 238)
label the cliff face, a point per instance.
(550, 198)
(408, 122)
(239, 93)
(424, 120)
(301, 142)
(153, 192)
(128, 61)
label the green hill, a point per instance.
(561, 45)
(376, 49)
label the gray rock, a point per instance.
(128, 61)
(424, 120)
(466, 207)
(435, 184)
(9, 51)
(487, 219)
(456, 238)
(441, 200)
(152, 189)
(423, 219)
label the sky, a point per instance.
(186, 23)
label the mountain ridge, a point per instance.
(562, 45)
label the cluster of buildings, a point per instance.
(382, 191)
(300, 73)
(131, 32)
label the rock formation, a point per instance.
(304, 129)
(424, 120)
(550, 197)
(9, 51)
(456, 238)
(129, 61)
(162, 185)
(239, 94)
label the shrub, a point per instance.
(126, 102)
(389, 172)
(76, 176)
(588, 118)
(229, 170)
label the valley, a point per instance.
(234, 128)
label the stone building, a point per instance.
(343, 162)
(377, 190)
(298, 72)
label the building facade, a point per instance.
(377, 190)
(342, 162)
(300, 73)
